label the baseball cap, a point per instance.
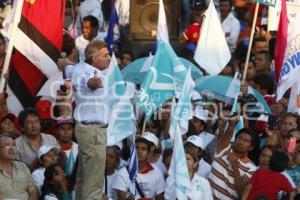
(43, 107)
(65, 120)
(10, 116)
(149, 137)
(196, 140)
(45, 149)
(200, 113)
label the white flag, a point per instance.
(212, 52)
(162, 27)
(290, 71)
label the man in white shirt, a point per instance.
(89, 7)
(89, 82)
(90, 33)
(230, 25)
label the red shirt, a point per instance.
(268, 183)
(192, 33)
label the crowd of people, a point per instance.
(58, 150)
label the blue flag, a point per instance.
(159, 84)
(113, 21)
(121, 118)
(133, 164)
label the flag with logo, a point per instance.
(212, 52)
(178, 179)
(38, 43)
(159, 84)
(290, 70)
(121, 117)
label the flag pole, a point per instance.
(12, 34)
(250, 42)
(144, 126)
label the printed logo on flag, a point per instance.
(267, 2)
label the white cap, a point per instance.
(196, 140)
(196, 96)
(150, 137)
(45, 149)
(200, 113)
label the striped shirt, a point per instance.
(221, 177)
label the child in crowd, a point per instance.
(55, 184)
(48, 155)
(200, 186)
(269, 181)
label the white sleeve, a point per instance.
(122, 181)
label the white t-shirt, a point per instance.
(38, 177)
(110, 180)
(151, 183)
(200, 189)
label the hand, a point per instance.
(105, 197)
(95, 82)
(233, 159)
(244, 88)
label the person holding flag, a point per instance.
(150, 183)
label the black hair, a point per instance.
(129, 53)
(251, 133)
(25, 113)
(48, 187)
(93, 20)
(265, 82)
(230, 2)
(68, 44)
(279, 161)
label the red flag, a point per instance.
(38, 43)
(281, 41)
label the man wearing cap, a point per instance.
(15, 179)
(199, 123)
(32, 139)
(150, 183)
(65, 129)
(89, 82)
(9, 124)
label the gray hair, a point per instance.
(92, 48)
